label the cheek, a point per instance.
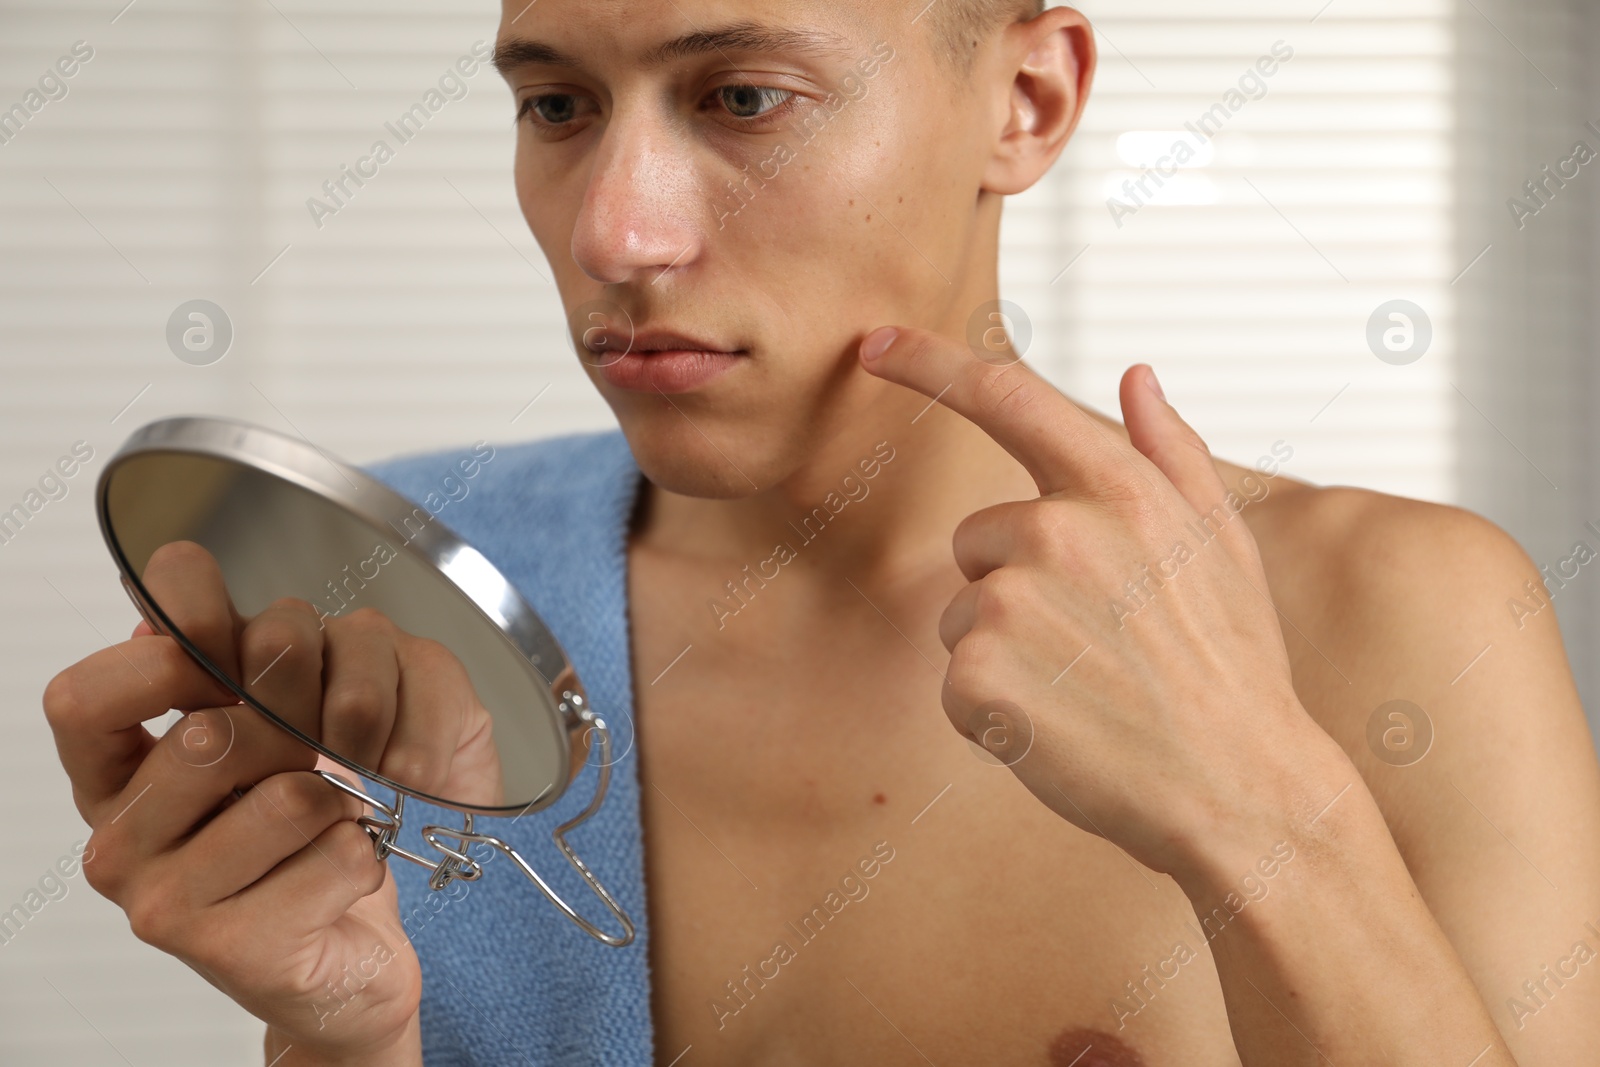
(549, 217)
(893, 217)
(840, 234)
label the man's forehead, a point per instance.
(652, 33)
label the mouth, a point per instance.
(659, 361)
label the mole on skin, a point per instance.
(1091, 1048)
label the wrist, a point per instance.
(1313, 803)
(402, 1049)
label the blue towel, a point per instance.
(507, 979)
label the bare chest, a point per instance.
(835, 876)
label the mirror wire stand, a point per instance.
(454, 863)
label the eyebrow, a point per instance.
(741, 37)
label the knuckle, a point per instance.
(368, 619)
(293, 605)
(170, 658)
(917, 347)
(266, 635)
(287, 616)
(956, 709)
(1134, 504)
(423, 654)
(211, 630)
(1122, 493)
(1191, 439)
(997, 597)
(408, 766)
(279, 640)
(155, 917)
(355, 703)
(63, 702)
(1038, 531)
(1002, 393)
(104, 864)
(426, 652)
(971, 662)
(1180, 450)
(952, 624)
(299, 797)
(969, 530)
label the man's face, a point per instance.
(773, 181)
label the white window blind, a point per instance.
(1316, 193)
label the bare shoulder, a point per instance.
(1386, 598)
(1423, 639)
(1372, 565)
(1408, 590)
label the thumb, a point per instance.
(1157, 431)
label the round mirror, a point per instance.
(280, 518)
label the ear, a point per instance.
(1051, 61)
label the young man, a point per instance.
(1170, 824)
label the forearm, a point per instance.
(1337, 958)
(405, 1050)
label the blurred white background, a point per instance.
(1374, 164)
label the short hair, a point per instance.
(959, 26)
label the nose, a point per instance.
(641, 211)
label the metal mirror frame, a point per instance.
(339, 484)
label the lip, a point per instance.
(659, 361)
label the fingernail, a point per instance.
(1154, 383)
(878, 342)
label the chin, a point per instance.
(678, 458)
(730, 440)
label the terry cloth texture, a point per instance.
(507, 979)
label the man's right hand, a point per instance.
(276, 897)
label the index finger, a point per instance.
(1048, 434)
(97, 706)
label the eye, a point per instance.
(551, 109)
(752, 101)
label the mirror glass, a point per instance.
(281, 519)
